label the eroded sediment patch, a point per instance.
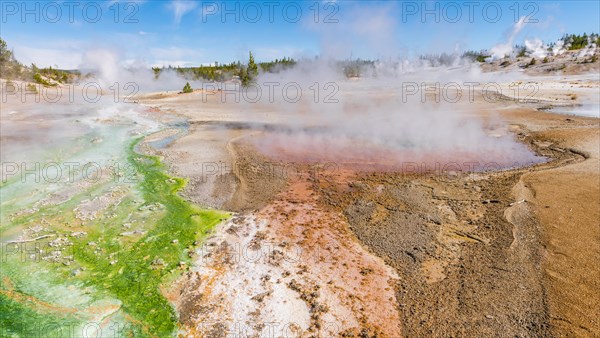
(291, 267)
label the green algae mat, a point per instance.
(96, 257)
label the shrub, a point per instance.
(39, 79)
(156, 71)
(481, 58)
(478, 56)
(31, 88)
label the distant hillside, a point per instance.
(12, 69)
(570, 54)
(569, 62)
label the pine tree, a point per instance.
(5, 54)
(252, 68)
(244, 76)
(187, 88)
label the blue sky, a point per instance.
(192, 33)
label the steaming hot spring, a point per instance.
(424, 142)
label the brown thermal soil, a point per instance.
(450, 253)
(567, 205)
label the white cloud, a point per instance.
(367, 28)
(175, 56)
(174, 52)
(174, 63)
(268, 54)
(65, 57)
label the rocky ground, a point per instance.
(566, 63)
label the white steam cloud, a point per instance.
(506, 49)
(372, 112)
(536, 48)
